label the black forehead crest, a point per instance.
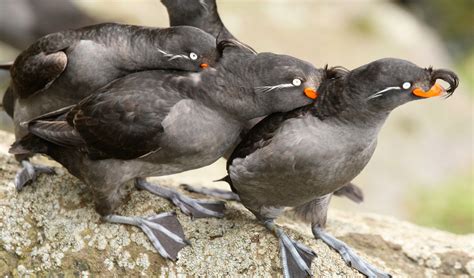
(389, 71)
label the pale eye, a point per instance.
(193, 56)
(406, 85)
(296, 82)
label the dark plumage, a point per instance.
(62, 68)
(202, 14)
(300, 158)
(158, 123)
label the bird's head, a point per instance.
(180, 11)
(188, 48)
(284, 82)
(265, 83)
(388, 83)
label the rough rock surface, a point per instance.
(51, 229)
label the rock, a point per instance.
(51, 229)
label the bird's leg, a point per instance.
(29, 172)
(212, 192)
(295, 257)
(189, 206)
(163, 230)
(349, 256)
(350, 191)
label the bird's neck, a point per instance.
(229, 89)
(131, 46)
(338, 104)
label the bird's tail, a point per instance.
(29, 144)
(32, 144)
(352, 192)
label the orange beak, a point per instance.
(203, 66)
(311, 93)
(434, 91)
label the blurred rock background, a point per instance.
(423, 169)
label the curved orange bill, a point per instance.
(204, 65)
(434, 91)
(311, 93)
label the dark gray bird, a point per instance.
(298, 159)
(203, 14)
(156, 123)
(62, 68)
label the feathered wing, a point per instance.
(262, 133)
(122, 124)
(260, 136)
(37, 67)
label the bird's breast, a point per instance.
(306, 158)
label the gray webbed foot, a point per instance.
(29, 172)
(193, 207)
(216, 193)
(295, 257)
(163, 230)
(349, 256)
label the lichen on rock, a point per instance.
(51, 228)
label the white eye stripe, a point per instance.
(171, 56)
(406, 85)
(178, 57)
(164, 52)
(266, 89)
(380, 93)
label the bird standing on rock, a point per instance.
(62, 68)
(156, 123)
(204, 14)
(298, 159)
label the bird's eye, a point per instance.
(296, 82)
(406, 85)
(193, 56)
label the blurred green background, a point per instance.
(423, 168)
